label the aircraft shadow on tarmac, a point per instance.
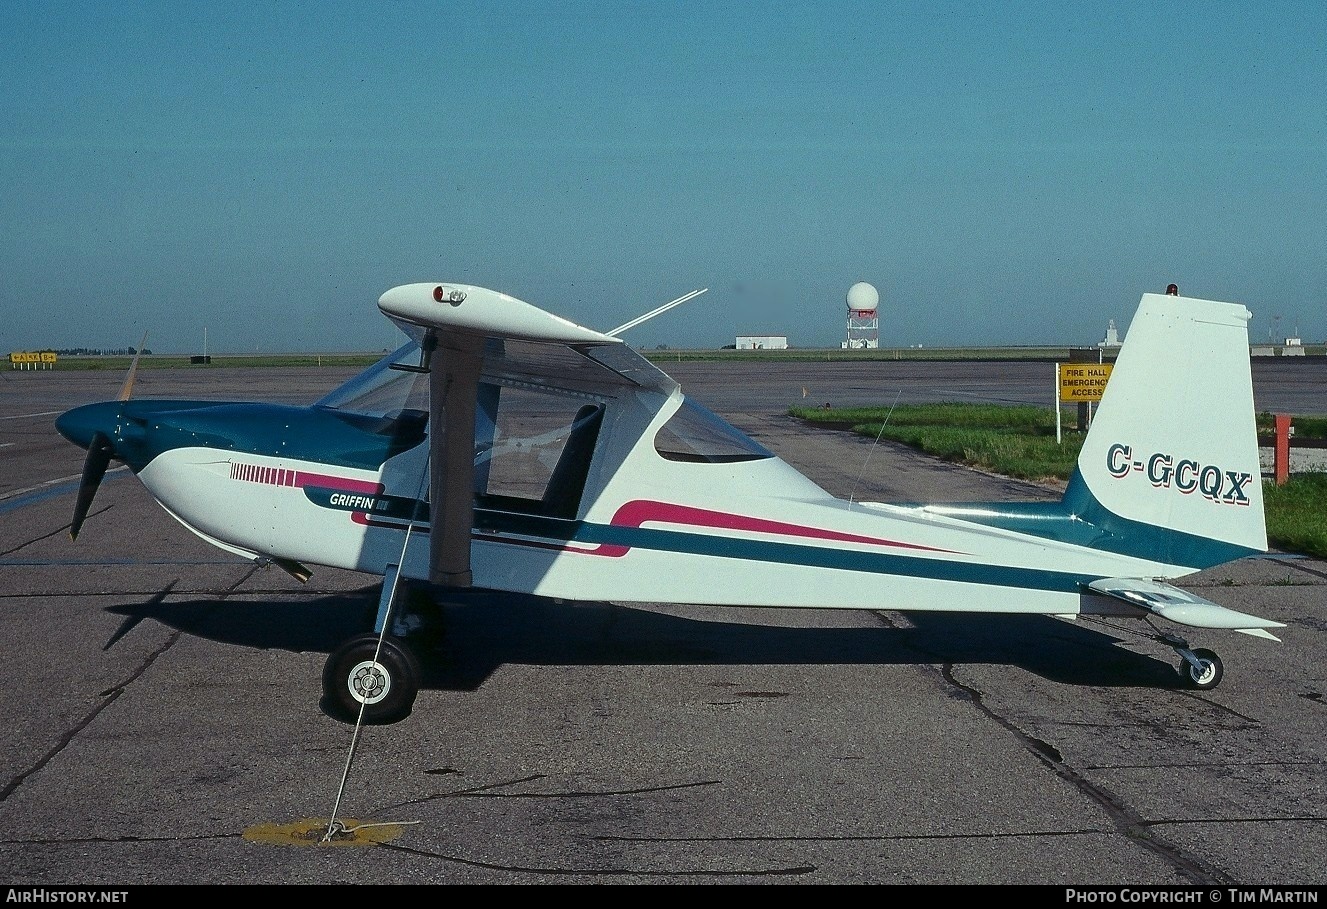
(462, 642)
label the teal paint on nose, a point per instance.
(82, 423)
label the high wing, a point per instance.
(1182, 607)
(466, 333)
(466, 314)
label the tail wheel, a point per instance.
(383, 686)
(1204, 676)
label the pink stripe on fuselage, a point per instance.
(637, 513)
(345, 484)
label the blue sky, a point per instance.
(1015, 173)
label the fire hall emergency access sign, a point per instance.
(1081, 383)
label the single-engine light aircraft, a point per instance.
(506, 448)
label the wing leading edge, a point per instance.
(1182, 607)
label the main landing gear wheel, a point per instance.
(1204, 676)
(385, 687)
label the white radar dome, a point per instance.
(862, 296)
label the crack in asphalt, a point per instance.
(1298, 567)
(606, 872)
(47, 536)
(878, 838)
(1290, 819)
(109, 696)
(1205, 764)
(485, 792)
(74, 840)
(605, 793)
(1125, 820)
(301, 593)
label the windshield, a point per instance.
(381, 391)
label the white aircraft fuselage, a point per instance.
(593, 477)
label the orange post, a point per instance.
(1281, 455)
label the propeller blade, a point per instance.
(127, 388)
(94, 468)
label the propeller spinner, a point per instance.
(93, 427)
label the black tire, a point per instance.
(385, 689)
(1208, 677)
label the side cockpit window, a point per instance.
(533, 442)
(533, 449)
(699, 435)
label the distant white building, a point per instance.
(1112, 336)
(1294, 347)
(762, 342)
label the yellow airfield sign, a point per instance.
(31, 359)
(1082, 383)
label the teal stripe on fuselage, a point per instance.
(1080, 520)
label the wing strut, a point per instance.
(453, 392)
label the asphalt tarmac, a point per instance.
(164, 723)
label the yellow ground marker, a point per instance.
(313, 832)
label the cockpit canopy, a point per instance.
(382, 392)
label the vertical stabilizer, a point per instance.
(1170, 462)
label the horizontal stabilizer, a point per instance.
(1182, 607)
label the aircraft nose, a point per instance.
(82, 423)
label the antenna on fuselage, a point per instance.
(853, 495)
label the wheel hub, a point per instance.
(369, 682)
